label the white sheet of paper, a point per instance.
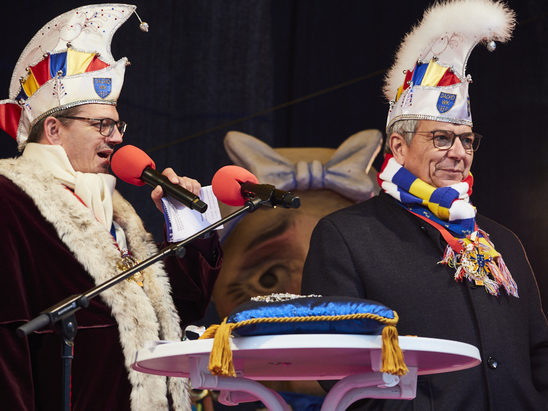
(182, 222)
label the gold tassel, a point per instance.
(221, 363)
(392, 356)
(220, 359)
(210, 332)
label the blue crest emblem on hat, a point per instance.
(445, 102)
(103, 86)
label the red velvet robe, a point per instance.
(44, 261)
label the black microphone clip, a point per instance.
(270, 195)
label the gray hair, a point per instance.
(401, 127)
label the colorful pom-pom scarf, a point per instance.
(469, 250)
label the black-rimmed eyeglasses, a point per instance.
(444, 139)
(106, 125)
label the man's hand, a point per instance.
(189, 183)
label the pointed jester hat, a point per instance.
(66, 64)
(428, 79)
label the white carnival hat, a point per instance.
(66, 64)
(428, 79)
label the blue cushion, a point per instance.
(299, 315)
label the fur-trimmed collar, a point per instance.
(143, 313)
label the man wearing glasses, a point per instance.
(88, 142)
(65, 229)
(440, 154)
(420, 247)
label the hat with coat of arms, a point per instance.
(67, 63)
(428, 79)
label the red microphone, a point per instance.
(134, 166)
(235, 185)
(128, 163)
(226, 184)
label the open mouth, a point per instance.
(104, 154)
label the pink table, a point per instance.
(352, 359)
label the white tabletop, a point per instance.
(308, 356)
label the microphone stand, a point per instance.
(64, 310)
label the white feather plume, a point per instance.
(479, 20)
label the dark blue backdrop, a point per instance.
(207, 64)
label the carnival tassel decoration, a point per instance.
(479, 261)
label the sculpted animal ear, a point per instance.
(253, 154)
(347, 170)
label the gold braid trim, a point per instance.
(384, 320)
(220, 359)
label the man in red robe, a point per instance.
(65, 229)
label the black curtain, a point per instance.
(299, 73)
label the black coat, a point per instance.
(377, 250)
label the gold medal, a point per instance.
(127, 262)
